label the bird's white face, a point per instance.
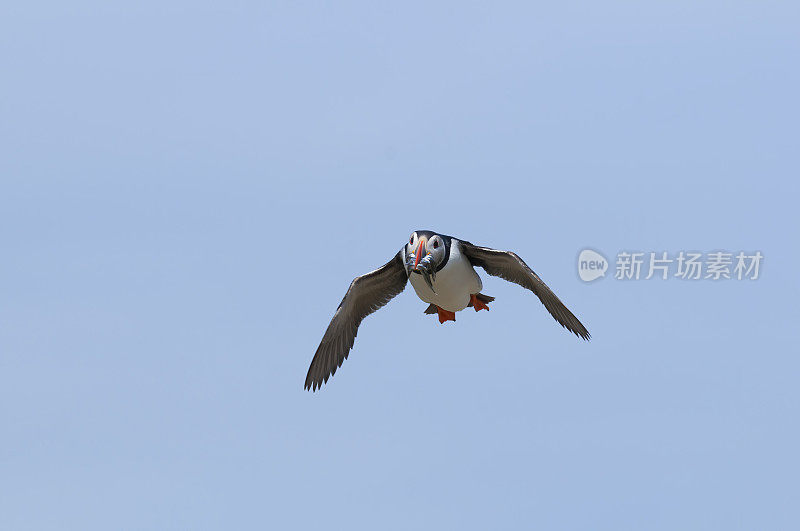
(424, 253)
(412, 244)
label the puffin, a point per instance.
(441, 270)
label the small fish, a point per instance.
(427, 262)
(428, 271)
(427, 276)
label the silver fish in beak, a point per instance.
(428, 270)
(410, 259)
(421, 261)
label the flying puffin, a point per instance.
(442, 272)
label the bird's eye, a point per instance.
(435, 244)
(411, 240)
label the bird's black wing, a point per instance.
(509, 266)
(367, 294)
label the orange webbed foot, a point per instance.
(444, 315)
(478, 304)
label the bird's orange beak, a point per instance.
(421, 247)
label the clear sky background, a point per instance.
(188, 188)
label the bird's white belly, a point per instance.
(454, 283)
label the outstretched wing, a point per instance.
(367, 294)
(509, 266)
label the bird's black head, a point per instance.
(427, 248)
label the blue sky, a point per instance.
(188, 188)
